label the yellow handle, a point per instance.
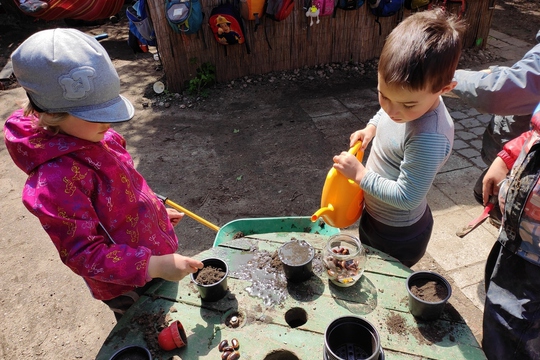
(192, 215)
(355, 151)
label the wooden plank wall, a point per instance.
(292, 43)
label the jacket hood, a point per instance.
(31, 146)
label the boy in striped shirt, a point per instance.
(412, 134)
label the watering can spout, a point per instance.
(321, 212)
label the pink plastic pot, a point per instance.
(172, 337)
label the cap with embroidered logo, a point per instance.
(66, 70)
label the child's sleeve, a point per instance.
(375, 119)
(506, 90)
(424, 154)
(512, 148)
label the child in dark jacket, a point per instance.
(105, 221)
(512, 306)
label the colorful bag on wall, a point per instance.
(444, 3)
(140, 24)
(385, 8)
(416, 4)
(326, 7)
(349, 4)
(184, 16)
(279, 10)
(252, 10)
(226, 24)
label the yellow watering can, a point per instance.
(342, 198)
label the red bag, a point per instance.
(279, 10)
(226, 25)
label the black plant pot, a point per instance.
(217, 290)
(132, 352)
(427, 310)
(297, 258)
(352, 338)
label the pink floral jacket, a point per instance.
(100, 213)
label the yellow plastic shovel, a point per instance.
(196, 217)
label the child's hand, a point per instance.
(496, 173)
(174, 216)
(172, 267)
(348, 165)
(365, 136)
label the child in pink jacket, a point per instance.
(105, 221)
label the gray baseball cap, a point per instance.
(66, 70)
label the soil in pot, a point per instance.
(209, 275)
(429, 290)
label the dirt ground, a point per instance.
(225, 157)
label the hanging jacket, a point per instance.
(100, 213)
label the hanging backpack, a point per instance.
(226, 24)
(349, 4)
(252, 10)
(141, 29)
(279, 10)
(416, 4)
(184, 16)
(385, 8)
(326, 7)
(444, 5)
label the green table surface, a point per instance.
(265, 332)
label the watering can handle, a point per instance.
(355, 150)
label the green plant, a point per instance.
(206, 76)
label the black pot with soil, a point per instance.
(211, 280)
(428, 294)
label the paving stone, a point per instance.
(477, 144)
(469, 153)
(484, 118)
(457, 115)
(497, 43)
(456, 162)
(361, 99)
(466, 134)
(478, 161)
(479, 131)
(475, 293)
(453, 252)
(494, 34)
(470, 123)
(322, 107)
(460, 144)
(472, 112)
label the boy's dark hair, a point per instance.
(423, 51)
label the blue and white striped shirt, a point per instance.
(403, 162)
